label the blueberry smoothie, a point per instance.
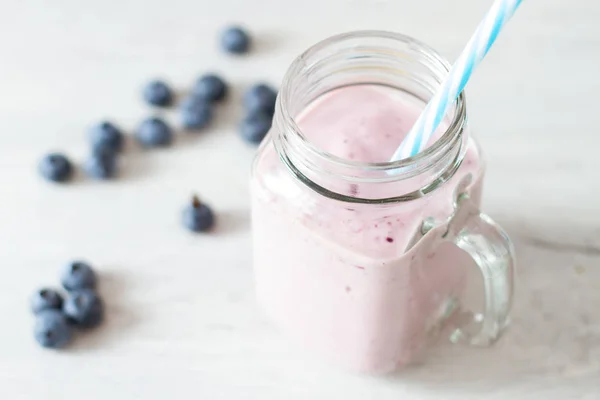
(344, 278)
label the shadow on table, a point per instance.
(268, 42)
(232, 221)
(555, 326)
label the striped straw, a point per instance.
(457, 78)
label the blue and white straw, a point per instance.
(457, 78)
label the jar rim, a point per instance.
(404, 168)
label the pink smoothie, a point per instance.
(337, 277)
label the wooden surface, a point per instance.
(182, 320)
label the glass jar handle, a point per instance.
(491, 249)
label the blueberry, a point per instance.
(84, 308)
(260, 97)
(78, 275)
(196, 113)
(158, 93)
(56, 167)
(105, 136)
(254, 127)
(198, 217)
(154, 132)
(210, 87)
(191, 102)
(235, 40)
(46, 299)
(52, 329)
(102, 164)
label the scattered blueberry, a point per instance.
(235, 40)
(52, 329)
(105, 136)
(260, 97)
(102, 164)
(196, 113)
(84, 308)
(78, 275)
(56, 167)
(254, 127)
(46, 299)
(198, 217)
(210, 87)
(154, 132)
(158, 93)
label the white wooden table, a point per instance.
(181, 319)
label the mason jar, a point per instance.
(366, 261)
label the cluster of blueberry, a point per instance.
(56, 317)
(197, 109)
(107, 140)
(196, 112)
